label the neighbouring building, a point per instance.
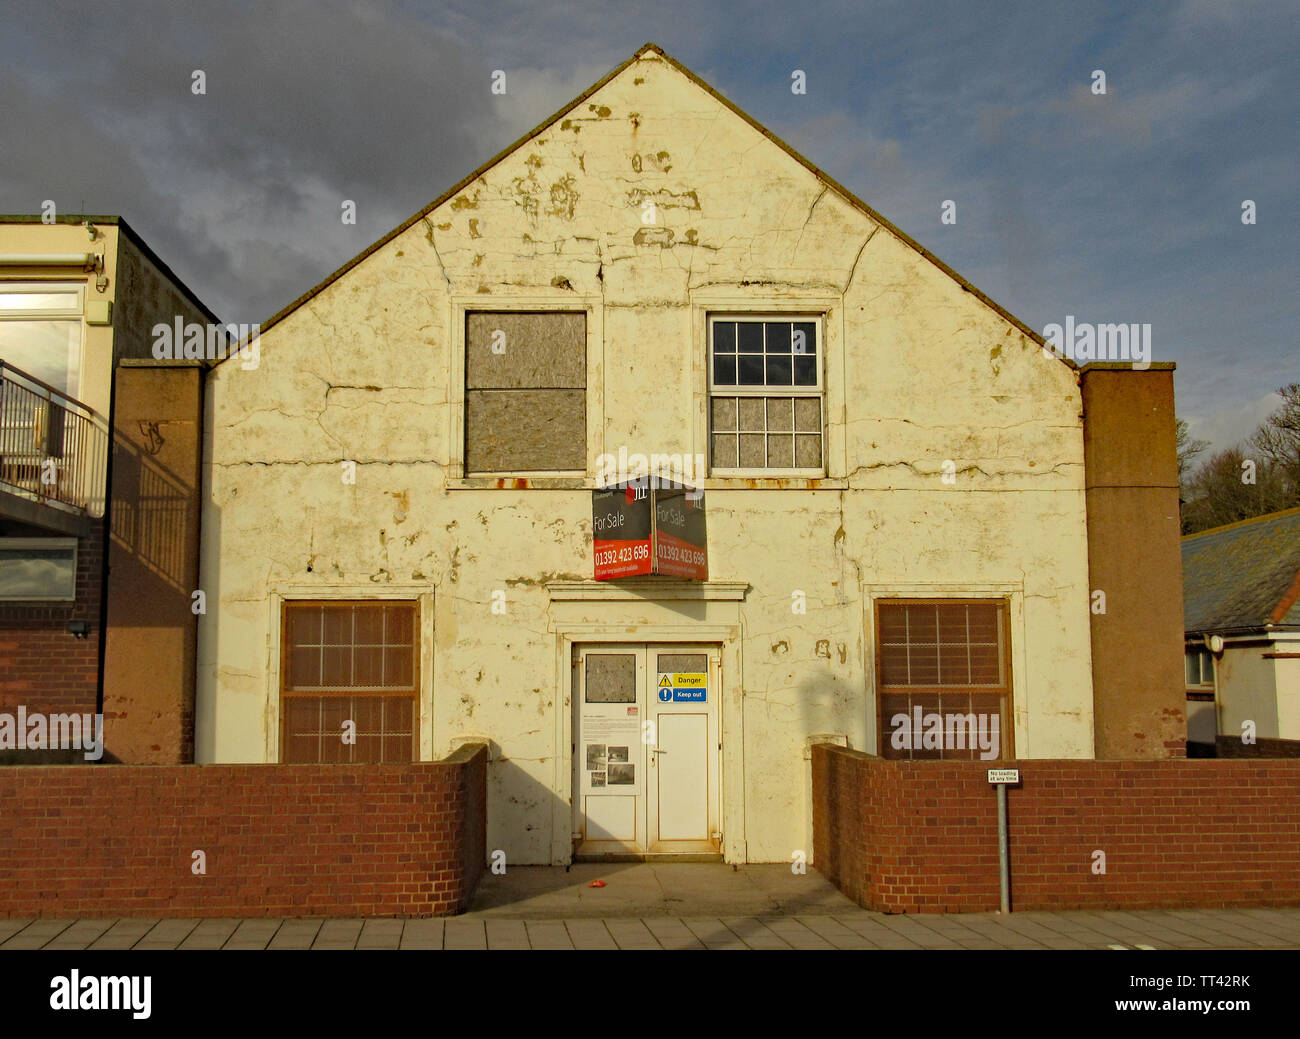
(1241, 605)
(898, 505)
(99, 467)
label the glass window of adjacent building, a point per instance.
(41, 331)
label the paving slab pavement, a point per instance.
(677, 906)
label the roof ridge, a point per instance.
(1242, 523)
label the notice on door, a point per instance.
(683, 687)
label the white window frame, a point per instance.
(49, 314)
(36, 544)
(1202, 654)
(818, 391)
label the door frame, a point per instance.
(647, 667)
(720, 624)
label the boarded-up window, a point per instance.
(349, 678)
(525, 392)
(944, 679)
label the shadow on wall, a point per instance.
(826, 703)
(151, 520)
(521, 811)
(206, 701)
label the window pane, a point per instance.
(724, 337)
(805, 371)
(751, 370)
(778, 337)
(808, 414)
(611, 678)
(46, 350)
(369, 627)
(780, 414)
(399, 625)
(749, 337)
(689, 663)
(336, 625)
(47, 300)
(808, 452)
(38, 573)
(780, 451)
(751, 415)
(368, 666)
(303, 624)
(724, 452)
(304, 668)
(724, 371)
(779, 371)
(336, 666)
(724, 414)
(752, 451)
(809, 339)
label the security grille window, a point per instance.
(349, 682)
(525, 392)
(38, 569)
(766, 394)
(1200, 668)
(944, 679)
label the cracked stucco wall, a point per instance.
(919, 371)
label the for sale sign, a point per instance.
(621, 527)
(641, 529)
(681, 548)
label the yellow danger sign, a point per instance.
(665, 680)
(690, 681)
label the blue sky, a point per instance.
(1117, 208)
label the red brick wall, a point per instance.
(1263, 747)
(921, 836)
(41, 665)
(281, 840)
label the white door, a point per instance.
(647, 771)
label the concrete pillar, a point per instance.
(1134, 557)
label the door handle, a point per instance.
(659, 752)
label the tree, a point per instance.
(1277, 440)
(1188, 449)
(1231, 486)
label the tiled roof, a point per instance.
(1243, 576)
